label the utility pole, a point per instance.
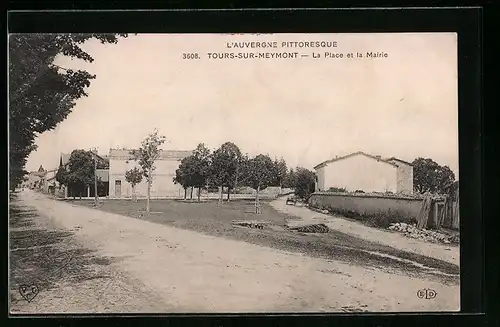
(96, 198)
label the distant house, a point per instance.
(72, 191)
(365, 172)
(36, 179)
(121, 160)
(49, 185)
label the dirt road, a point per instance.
(163, 269)
(446, 253)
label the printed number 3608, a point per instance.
(190, 56)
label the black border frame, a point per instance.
(466, 21)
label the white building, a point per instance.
(120, 160)
(361, 171)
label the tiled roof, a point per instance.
(164, 155)
(324, 163)
(38, 173)
(66, 156)
(398, 160)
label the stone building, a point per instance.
(363, 172)
(120, 160)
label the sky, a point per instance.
(305, 110)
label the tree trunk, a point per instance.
(228, 193)
(220, 194)
(199, 193)
(148, 198)
(191, 195)
(185, 193)
(257, 203)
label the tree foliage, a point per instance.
(454, 189)
(258, 173)
(146, 156)
(200, 170)
(81, 172)
(290, 179)
(42, 94)
(194, 170)
(62, 176)
(184, 174)
(430, 177)
(133, 177)
(304, 182)
(241, 171)
(280, 172)
(224, 165)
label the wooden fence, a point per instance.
(449, 216)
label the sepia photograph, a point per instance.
(233, 173)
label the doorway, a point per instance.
(118, 188)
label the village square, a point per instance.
(174, 186)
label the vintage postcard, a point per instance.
(233, 173)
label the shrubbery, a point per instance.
(376, 219)
(337, 189)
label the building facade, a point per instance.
(87, 191)
(363, 172)
(121, 160)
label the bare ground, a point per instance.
(157, 268)
(449, 253)
(213, 219)
(70, 277)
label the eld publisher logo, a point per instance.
(426, 293)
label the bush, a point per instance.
(385, 219)
(337, 190)
(382, 220)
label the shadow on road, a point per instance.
(44, 256)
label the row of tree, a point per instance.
(228, 168)
(225, 168)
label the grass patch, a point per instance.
(216, 219)
(186, 212)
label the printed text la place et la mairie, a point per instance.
(291, 50)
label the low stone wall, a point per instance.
(386, 208)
